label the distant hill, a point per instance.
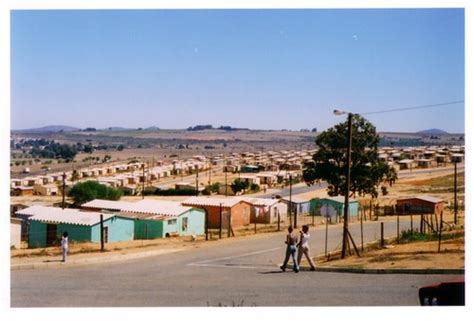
(152, 128)
(116, 128)
(48, 129)
(432, 131)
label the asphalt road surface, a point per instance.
(227, 272)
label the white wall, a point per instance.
(15, 234)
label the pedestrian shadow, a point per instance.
(271, 272)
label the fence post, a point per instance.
(361, 234)
(440, 231)
(421, 223)
(381, 234)
(278, 223)
(326, 238)
(398, 228)
(255, 222)
(101, 233)
(220, 220)
(370, 210)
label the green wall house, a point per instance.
(155, 218)
(333, 207)
(47, 224)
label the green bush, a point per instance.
(90, 190)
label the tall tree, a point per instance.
(330, 160)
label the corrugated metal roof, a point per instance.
(57, 215)
(426, 198)
(259, 201)
(297, 199)
(140, 216)
(155, 207)
(211, 201)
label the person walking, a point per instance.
(303, 247)
(291, 240)
(64, 246)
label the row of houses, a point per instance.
(130, 177)
(127, 177)
(421, 157)
(150, 219)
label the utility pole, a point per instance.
(197, 180)
(206, 223)
(220, 220)
(455, 193)
(290, 205)
(101, 233)
(143, 182)
(348, 186)
(225, 175)
(64, 191)
(210, 171)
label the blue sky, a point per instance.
(266, 69)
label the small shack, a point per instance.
(46, 225)
(22, 191)
(45, 190)
(235, 210)
(333, 206)
(420, 205)
(266, 210)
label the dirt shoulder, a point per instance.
(415, 255)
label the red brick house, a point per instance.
(420, 204)
(239, 210)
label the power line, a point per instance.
(410, 108)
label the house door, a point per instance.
(51, 234)
(106, 234)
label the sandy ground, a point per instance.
(416, 255)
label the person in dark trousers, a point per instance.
(64, 246)
(291, 240)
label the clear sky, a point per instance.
(266, 69)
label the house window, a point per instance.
(172, 222)
(184, 224)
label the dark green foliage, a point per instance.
(239, 185)
(254, 187)
(90, 190)
(213, 188)
(55, 150)
(329, 162)
(415, 236)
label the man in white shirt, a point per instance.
(303, 247)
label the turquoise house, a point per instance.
(333, 207)
(47, 224)
(155, 218)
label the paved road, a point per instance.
(226, 272)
